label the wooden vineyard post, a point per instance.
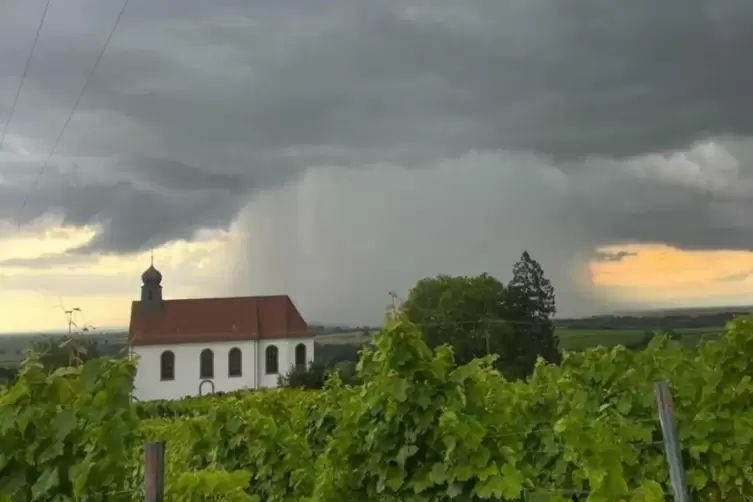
(154, 471)
(671, 441)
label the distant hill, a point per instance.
(650, 320)
(323, 329)
(670, 319)
(13, 346)
(690, 311)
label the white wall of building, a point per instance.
(149, 386)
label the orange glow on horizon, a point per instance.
(664, 273)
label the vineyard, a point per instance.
(418, 429)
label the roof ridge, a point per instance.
(220, 298)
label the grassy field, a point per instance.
(570, 339)
(355, 337)
(577, 339)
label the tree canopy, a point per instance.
(532, 306)
(479, 315)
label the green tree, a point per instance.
(464, 312)
(302, 377)
(478, 315)
(315, 375)
(531, 303)
(530, 292)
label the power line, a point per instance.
(73, 110)
(25, 72)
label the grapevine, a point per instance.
(418, 428)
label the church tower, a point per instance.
(151, 290)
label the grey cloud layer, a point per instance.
(137, 209)
(199, 107)
(570, 81)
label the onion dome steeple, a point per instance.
(151, 275)
(151, 290)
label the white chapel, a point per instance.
(200, 346)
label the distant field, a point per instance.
(579, 339)
(355, 337)
(13, 347)
(570, 339)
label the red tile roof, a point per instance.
(206, 320)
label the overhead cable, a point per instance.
(23, 75)
(73, 110)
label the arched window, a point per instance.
(234, 362)
(206, 364)
(300, 355)
(167, 366)
(272, 360)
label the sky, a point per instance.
(337, 150)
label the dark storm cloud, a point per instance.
(567, 80)
(131, 215)
(697, 199)
(177, 176)
(199, 107)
